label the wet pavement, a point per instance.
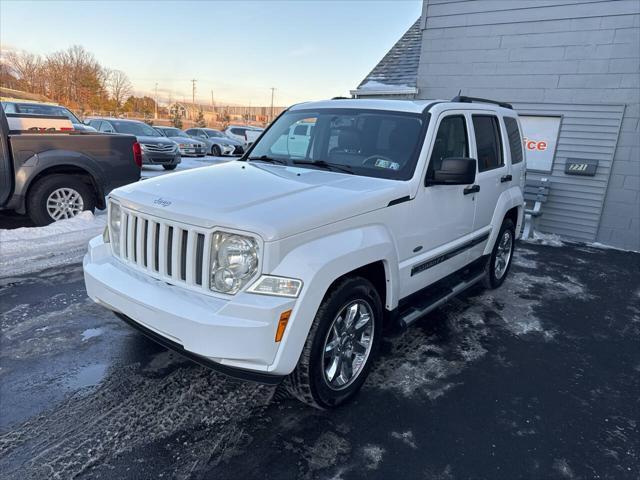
(539, 379)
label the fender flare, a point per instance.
(319, 263)
(58, 159)
(508, 199)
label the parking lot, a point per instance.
(539, 379)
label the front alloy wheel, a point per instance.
(348, 345)
(341, 345)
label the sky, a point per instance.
(306, 50)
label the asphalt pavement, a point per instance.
(539, 379)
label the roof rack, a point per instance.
(463, 99)
(342, 98)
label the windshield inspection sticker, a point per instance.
(387, 164)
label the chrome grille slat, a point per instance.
(130, 237)
(139, 240)
(172, 252)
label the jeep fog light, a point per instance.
(278, 286)
(234, 261)
(115, 220)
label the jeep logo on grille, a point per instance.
(162, 202)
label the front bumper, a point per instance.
(192, 151)
(160, 158)
(234, 336)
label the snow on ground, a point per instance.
(31, 249)
(548, 239)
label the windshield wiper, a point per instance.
(326, 165)
(265, 158)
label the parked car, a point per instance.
(44, 109)
(296, 141)
(289, 268)
(156, 149)
(218, 144)
(188, 146)
(245, 134)
(56, 176)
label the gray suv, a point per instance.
(156, 149)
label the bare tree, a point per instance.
(119, 86)
(28, 68)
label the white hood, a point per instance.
(270, 200)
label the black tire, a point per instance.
(215, 151)
(170, 167)
(492, 279)
(40, 191)
(307, 382)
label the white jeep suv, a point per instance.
(288, 263)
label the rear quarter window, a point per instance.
(515, 139)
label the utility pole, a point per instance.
(213, 108)
(156, 109)
(193, 93)
(272, 90)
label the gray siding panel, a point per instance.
(576, 58)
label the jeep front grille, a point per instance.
(170, 251)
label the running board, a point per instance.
(434, 296)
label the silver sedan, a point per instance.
(187, 145)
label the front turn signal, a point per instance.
(282, 324)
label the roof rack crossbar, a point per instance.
(464, 99)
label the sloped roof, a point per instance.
(399, 67)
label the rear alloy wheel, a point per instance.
(215, 151)
(500, 260)
(341, 346)
(59, 197)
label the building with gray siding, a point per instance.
(574, 60)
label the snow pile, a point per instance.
(379, 86)
(27, 250)
(548, 239)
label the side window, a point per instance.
(515, 139)
(190, 132)
(451, 141)
(300, 130)
(488, 142)
(106, 127)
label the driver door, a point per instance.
(434, 243)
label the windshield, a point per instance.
(367, 142)
(213, 133)
(135, 128)
(42, 109)
(174, 132)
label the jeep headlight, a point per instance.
(115, 221)
(234, 261)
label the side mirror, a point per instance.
(454, 171)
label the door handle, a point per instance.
(471, 189)
(506, 178)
